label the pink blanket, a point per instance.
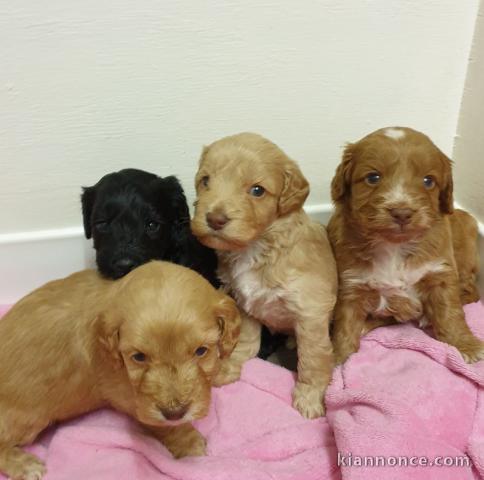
(407, 399)
(253, 433)
(403, 397)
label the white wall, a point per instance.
(469, 143)
(87, 87)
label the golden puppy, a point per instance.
(147, 345)
(398, 254)
(274, 260)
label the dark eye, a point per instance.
(201, 351)
(373, 178)
(205, 180)
(101, 225)
(429, 181)
(152, 227)
(139, 357)
(257, 191)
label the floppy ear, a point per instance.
(199, 175)
(107, 328)
(228, 317)
(173, 199)
(446, 196)
(175, 210)
(295, 190)
(340, 185)
(88, 197)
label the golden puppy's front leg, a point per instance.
(182, 440)
(350, 320)
(20, 465)
(349, 324)
(20, 426)
(442, 307)
(314, 365)
(247, 347)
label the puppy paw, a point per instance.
(404, 309)
(308, 400)
(472, 352)
(340, 356)
(228, 373)
(342, 349)
(186, 443)
(25, 467)
(469, 295)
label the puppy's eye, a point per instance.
(257, 190)
(139, 357)
(429, 182)
(373, 178)
(201, 351)
(101, 225)
(152, 227)
(205, 180)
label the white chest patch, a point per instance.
(389, 274)
(248, 281)
(395, 133)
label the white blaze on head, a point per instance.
(395, 133)
(397, 194)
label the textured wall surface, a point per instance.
(469, 144)
(90, 87)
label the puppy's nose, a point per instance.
(217, 221)
(124, 265)
(174, 413)
(402, 216)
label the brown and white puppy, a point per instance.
(399, 256)
(273, 259)
(148, 345)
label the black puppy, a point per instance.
(134, 216)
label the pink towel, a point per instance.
(404, 397)
(253, 433)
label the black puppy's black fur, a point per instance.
(135, 216)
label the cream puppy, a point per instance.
(273, 259)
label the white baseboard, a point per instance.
(481, 258)
(28, 260)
